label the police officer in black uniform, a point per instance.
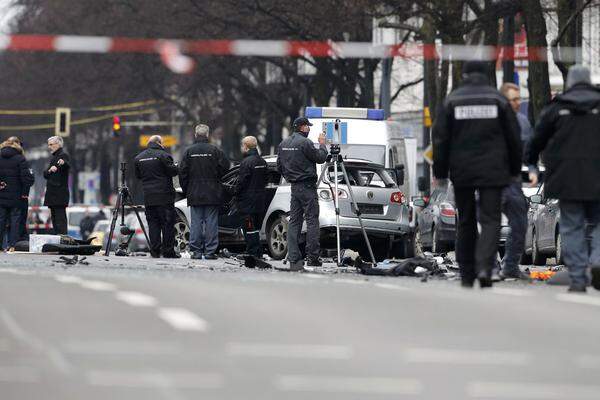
(155, 168)
(250, 192)
(296, 159)
(477, 143)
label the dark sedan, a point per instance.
(436, 223)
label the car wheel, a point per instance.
(182, 233)
(536, 256)
(277, 237)
(559, 251)
(436, 245)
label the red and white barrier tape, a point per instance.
(172, 51)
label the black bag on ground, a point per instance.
(401, 268)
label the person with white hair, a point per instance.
(568, 133)
(156, 169)
(200, 171)
(57, 185)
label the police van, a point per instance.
(364, 133)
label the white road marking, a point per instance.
(390, 286)
(313, 276)
(512, 292)
(18, 375)
(350, 281)
(182, 319)
(579, 299)
(130, 379)
(307, 351)
(55, 356)
(588, 361)
(340, 384)
(529, 390)
(466, 357)
(136, 299)
(126, 348)
(98, 285)
(68, 279)
(8, 270)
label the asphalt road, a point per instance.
(135, 328)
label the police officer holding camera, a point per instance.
(296, 159)
(155, 168)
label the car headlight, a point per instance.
(325, 194)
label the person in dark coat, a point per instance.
(200, 171)
(296, 161)
(250, 193)
(23, 202)
(155, 168)
(477, 144)
(568, 134)
(57, 185)
(86, 226)
(15, 180)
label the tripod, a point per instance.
(336, 160)
(123, 200)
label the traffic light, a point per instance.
(116, 126)
(62, 122)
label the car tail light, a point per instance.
(139, 231)
(447, 210)
(397, 197)
(325, 195)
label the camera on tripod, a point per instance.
(124, 200)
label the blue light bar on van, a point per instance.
(342, 112)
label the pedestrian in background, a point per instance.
(57, 185)
(476, 143)
(250, 193)
(200, 171)
(296, 159)
(514, 203)
(15, 180)
(24, 201)
(156, 169)
(568, 134)
(86, 226)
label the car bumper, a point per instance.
(372, 226)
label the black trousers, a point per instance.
(59, 219)
(476, 251)
(251, 227)
(161, 229)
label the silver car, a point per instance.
(384, 210)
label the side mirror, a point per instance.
(536, 199)
(423, 184)
(420, 202)
(399, 170)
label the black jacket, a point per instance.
(57, 185)
(15, 176)
(296, 159)
(200, 172)
(251, 185)
(155, 168)
(568, 133)
(476, 137)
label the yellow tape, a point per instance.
(114, 107)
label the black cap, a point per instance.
(471, 67)
(298, 122)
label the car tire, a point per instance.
(182, 233)
(436, 245)
(536, 257)
(405, 247)
(559, 250)
(277, 237)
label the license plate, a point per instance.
(370, 208)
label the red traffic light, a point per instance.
(116, 123)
